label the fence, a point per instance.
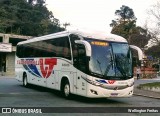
(147, 72)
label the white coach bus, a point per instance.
(75, 62)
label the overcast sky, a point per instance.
(96, 14)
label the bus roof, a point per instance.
(88, 34)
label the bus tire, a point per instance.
(25, 82)
(66, 89)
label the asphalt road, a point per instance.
(13, 94)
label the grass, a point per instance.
(150, 85)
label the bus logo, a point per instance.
(111, 81)
(46, 66)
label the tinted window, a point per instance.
(79, 54)
(110, 60)
(74, 48)
(58, 47)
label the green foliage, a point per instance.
(150, 85)
(125, 26)
(154, 51)
(125, 13)
(140, 37)
(26, 17)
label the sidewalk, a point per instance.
(145, 93)
(2, 76)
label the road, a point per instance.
(13, 94)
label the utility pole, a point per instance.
(66, 24)
(159, 67)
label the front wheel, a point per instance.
(66, 90)
(25, 82)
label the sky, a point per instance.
(96, 14)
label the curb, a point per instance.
(7, 77)
(146, 96)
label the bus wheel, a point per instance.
(25, 82)
(66, 89)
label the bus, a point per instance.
(84, 63)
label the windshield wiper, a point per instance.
(112, 60)
(110, 64)
(119, 66)
(99, 66)
(96, 74)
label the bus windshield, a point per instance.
(110, 60)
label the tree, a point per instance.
(125, 23)
(125, 14)
(125, 26)
(154, 30)
(140, 37)
(27, 17)
(37, 2)
(153, 51)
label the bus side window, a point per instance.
(62, 47)
(79, 54)
(74, 48)
(20, 51)
(66, 48)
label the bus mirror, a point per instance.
(140, 52)
(87, 46)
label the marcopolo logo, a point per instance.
(111, 81)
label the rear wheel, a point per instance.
(25, 82)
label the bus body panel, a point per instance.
(61, 69)
(81, 83)
(104, 93)
(109, 88)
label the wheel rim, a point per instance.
(66, 90)
(25, 81)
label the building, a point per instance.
(8, 44)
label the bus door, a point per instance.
(79, 61)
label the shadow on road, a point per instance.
(75, 97)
